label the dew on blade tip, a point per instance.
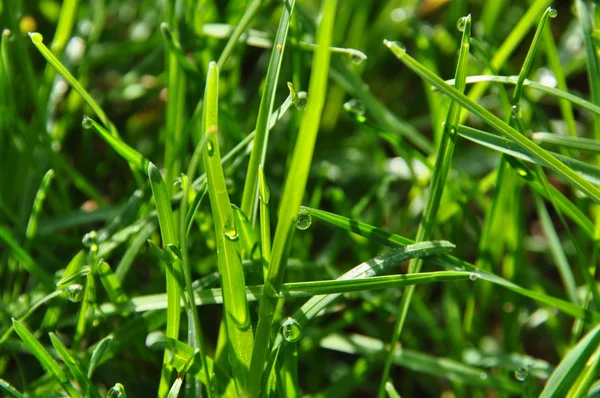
(291, 330)
(304, 219)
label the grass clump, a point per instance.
(417, 186)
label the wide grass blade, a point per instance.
(293, 192)
(544, 156)
(572, 365)
(237, 314)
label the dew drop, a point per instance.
(355, 106)
(75, 293)
(231, 234)
(357, 57)
(210, 149)
(36, 37)
(301, 100)
(291, 330)
(553, 13)
(397, 48)
(304, 219)
(461, 23)
(86, 123)
(521, 374)
(473, 276)
(516, 112)
(90, 240)
(7, 34)
(118, 391)
(483, 376)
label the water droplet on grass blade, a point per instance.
(36, 37)
(301, 100)
(356, 57)
(397, 48)
(355, 106)
(304, 219)
(86, 123)
(210, 149)
(75, 293)
(291, 330)
(473, 276)
(521, 374)
(553, 13)
(90, 240)
(231, 234)
(516, 112)
(118, 391)
(461, 23)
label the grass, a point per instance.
(316, 198)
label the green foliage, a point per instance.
(255, 198)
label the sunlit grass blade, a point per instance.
(293, 193)
(506, 146)
(245, 231)
(174, 391)
(10, 390)
(128, 153)
(169, 237)
(582, 144)
(441, 169)
(97, 354)
(28, 263)
(112, 286)
(237, 314)
(391, 390)
(44, 358)
(38, 202)
(264, 195)
(441, 367)
(37, 40)
(261, 138)
(89, 390)
(548, 159)
(571, 366)
(194, 206)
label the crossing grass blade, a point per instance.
(237, 314)
(89, 390)
(261, 137)
(583, 144)
(525, 143)
(44, 358)
(293, 193)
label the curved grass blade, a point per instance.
(44, 357)
(293, 193)
(544, 156)
(239, 326)
(174, 47)
(241, 26)
(113, 286)
(89, 390)
(571, 366)
(506, 146)
(174, 391)
(169, 237)
(97, 354)
(38, 202)
(261, 138)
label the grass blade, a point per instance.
(97, 354)
(583, 144)
(239, 327)
(10, 390)
(44, 357)
(293, 193)
(550, 161)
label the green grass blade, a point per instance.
(571, 366)
(265, 222)
(582, 144)
(37, 40)
(89, 390)
(293, 192)
(194, 206)
(506, 146)
(38, 202)
(174, 391)
(548, 159)
(245, 232)
(241, 26)
(261, 138)
(112, 286)
(239, 327)
(44, 357)
(97, 354)
(169, 237)
(128, 153)
(10, 390)
(441, 169)
(25, 260)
